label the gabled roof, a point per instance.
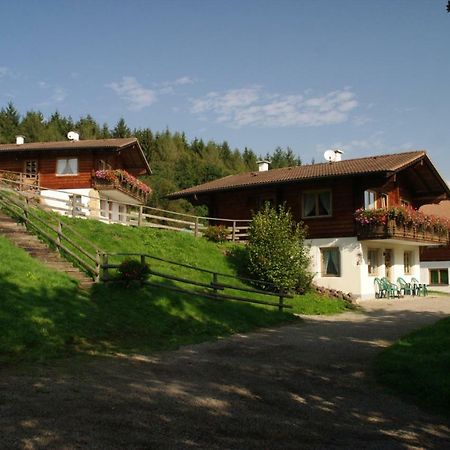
(360, 166)
(88, 144)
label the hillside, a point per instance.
(43, 315)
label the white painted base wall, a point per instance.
(354, 273)
(88, 204)
(425, 274)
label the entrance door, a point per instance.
(388, 263)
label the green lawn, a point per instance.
(43, 314)
(418, 367)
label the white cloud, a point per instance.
(168, 87)
(59, 94)
(253, 106)
(359, 147)
(184, 80)
(4, 71)
(136, 95)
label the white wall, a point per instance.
(350, 276)
(354, 276)
(60, 201)
(425, 275)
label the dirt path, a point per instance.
(301, 386)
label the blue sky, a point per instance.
(366, 76)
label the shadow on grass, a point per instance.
(303, 386)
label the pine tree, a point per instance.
(121, 129)
(9, 123)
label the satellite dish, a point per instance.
(73, 136)
(330, 156)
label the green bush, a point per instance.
(276, 252)
(217, 233)
(133, 270)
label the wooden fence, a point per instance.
(57, 234)
(213, 289)
(97, 263)
(76, 205)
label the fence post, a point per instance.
(196, 227)
(105, 271)
(142, 259)
(234, 231)
(140, 216)
(26, 207)
(215, 283)
(58, 237)
(281, 302)
(97, 266)
(73, 205)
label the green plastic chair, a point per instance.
(391, 288)
(405, 287)
(380, 291)
(420, 288)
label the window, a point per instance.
(316, 204)
(67, 166)
(331, 264)
(407, 262)
(370, 200)
(31, 168)
(103, 165)
(373, 261)
(438, 276)
(383, 201)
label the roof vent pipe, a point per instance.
(73, 136)
(263, 165)
(20, 140)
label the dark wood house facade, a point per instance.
(325, 197)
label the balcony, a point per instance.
(114, 181)
(401, 232)
(401, 224)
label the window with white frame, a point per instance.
(384, 201)
(370, 199)
(373, 261)
(316, 204)
(331, 262)
(407, 262)
(67, 166)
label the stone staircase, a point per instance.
(20, 237)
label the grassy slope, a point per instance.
(183, 247)
(418, 367)
(42, 314)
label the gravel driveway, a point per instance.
(306, 385)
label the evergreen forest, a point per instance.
(177, 162)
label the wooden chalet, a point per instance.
(325, 197)
(85, 171)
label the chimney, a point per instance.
(20, 140)
(338, 155)
(263, 165)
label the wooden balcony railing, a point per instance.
(120, 180)
(19, 181)
(393, 230)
